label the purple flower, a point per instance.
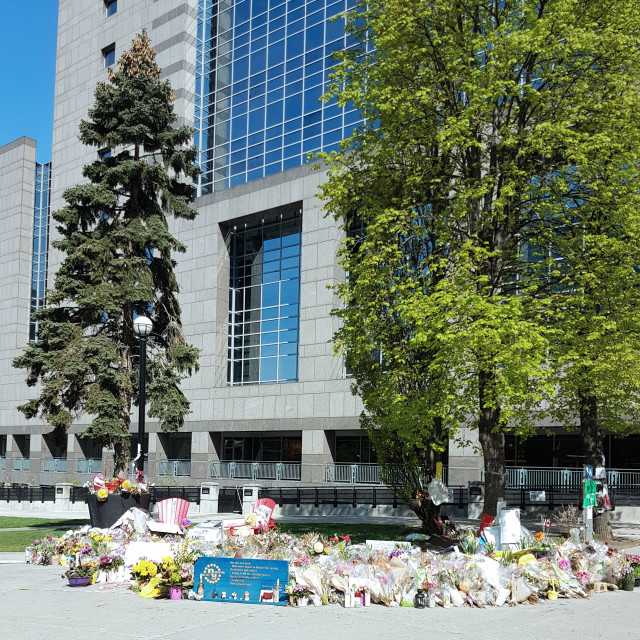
(186, 522)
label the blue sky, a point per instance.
(28, 52)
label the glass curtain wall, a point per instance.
(40, 243)
(262, 67)
(264, 299)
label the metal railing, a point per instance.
(567, 479)
(89, 465)
(174, 467)
(55, 465)
(21, 464)
(360, 473)
(256, 470)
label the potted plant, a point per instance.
(174, 577)
(627, 576)
(81, 575)
(109, 499)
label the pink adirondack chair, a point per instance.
(263, 508)
(173, 510)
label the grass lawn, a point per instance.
(10, 522)
(19, 540)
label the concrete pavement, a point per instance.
(36, 603)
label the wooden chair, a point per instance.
(173, 510)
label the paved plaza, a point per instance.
(35, 603)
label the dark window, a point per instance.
(109, 55)
(354, 449)
(262, 448)
(110, 6)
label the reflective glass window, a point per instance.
(264, 296)
(279, 51)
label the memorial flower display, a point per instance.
(325, 569)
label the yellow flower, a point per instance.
(102, 494)
(126, 486)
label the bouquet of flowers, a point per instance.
(40, 551)
(144, 570)
(105, 488)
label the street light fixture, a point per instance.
(142, 327)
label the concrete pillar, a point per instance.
(203, 452)
(250, 493)
(35, 457)
(63, 496)
(209, 492)
(465, 462)
(74, 451)
(316, 454)
(154, 453)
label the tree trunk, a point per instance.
(120, 459)
(429, 515)
(592, 449)
(492, 442)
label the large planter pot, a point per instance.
(80, 582)
(627, 583)
(104, 513)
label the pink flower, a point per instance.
(564, 564)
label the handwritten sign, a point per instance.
(245, 580)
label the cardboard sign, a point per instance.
(245, 580)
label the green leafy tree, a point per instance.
(598, 308)
(118, 262)
(483, 120)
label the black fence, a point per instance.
(28, 494)
(354, 496)
(550, 497)
(192, 494)
(229, 500)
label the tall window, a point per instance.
(40, 243)
(260, 71)
(264, 299)
(110, 7)
(109, 55)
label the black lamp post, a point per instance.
(142, 328)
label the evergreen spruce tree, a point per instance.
(118, 263)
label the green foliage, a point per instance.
(489, 126)
(117, 262)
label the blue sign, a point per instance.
(241, 580)
(588, 472)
